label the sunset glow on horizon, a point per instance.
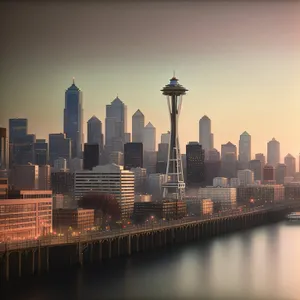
(239, 61)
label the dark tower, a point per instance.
(195, 164)
(73, 119)
(133, 155)
(174, 188)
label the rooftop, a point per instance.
(93, 119)
(73, 87)
(245, 133)
(138, 113)
(149, 125)
(117, 101)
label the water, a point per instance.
(262, 263)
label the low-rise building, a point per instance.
(3, 188)
(168, 210)
(260, 194)
(25, 215)
(73, 220)
(224, 198)
(207, 207)
(292, 191)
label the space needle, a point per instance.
(174, 187)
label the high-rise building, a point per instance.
(73, 119)
(174, 187)
(94, 132)
(205, 133)
(60, 165)
(245, 177)
(268, 174)
(261, 158)
(62, 183)
(140, 177)
(117, 158)
(229, 165)
(280, 173)
(256, 167)
(115, 125)
(4, 149)
(195, 168)
(41, 152)
(162, 158)
(44, 177)
(127, 137)
(108, 179)
(91, 156)
(228, 148)
(20, 142)
(76, 164)
(59, 147)
(212, 144)
(138, 124)
(213, 155)
(290, 162)
(149, 137)
(155, 184)
(150, 161)
(165, 138)
(273, 156)
(244, 150)
(133, 156)
(25, 177)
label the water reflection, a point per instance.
(262, 263)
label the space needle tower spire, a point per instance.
(174, 187)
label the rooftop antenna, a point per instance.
(73, 80)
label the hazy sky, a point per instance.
(240, 61)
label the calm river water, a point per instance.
(262, 263)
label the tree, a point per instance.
(106, 206)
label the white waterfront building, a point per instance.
(108, 179)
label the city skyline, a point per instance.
(227, 67)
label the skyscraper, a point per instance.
(165, 138)
(94, 132)
(138, 124)
(261, 158)
(3, 149)
(73, 118)
(18, 129)
(290, 162)
(41, 152)
(227, 148)
(256, 167)
(205, 133)
(280, 173)
(195, 169)
(244, 150)
(59, 147)
(115, 125)
(149, 137)
(91, 156)
(273, 157)
(133, 156)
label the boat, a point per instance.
(293, 217)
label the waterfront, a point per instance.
(261, 263)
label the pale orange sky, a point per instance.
(240, 61)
